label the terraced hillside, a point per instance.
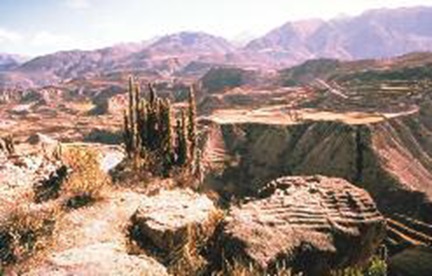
(404, 232)
(388, 95)
(320, 218)
(391, 85)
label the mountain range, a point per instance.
(374, 34)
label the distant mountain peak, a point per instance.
(190, 38)
(378, 33)
(198, 42)
(373, 34)
(10, 61)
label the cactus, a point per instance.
(132, 140)
(191, 127)
(182, 143)
(149, 131)
(127, 134)
(166, 137)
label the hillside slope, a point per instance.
(389, 157)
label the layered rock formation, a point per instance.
(389, 156)
(404, 232)
(312, 224)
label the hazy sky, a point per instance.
(35, 27)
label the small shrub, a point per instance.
(377, 267)
(24, 232)
(50, 188)
(7, 145)
(237, 268)
(79, 201)
(86, 182)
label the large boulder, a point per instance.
(312, 224)
(169, 219)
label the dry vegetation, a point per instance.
(174, 162)
(25, 232)
(27, 229)
(86, 183)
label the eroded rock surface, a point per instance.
(309, 223)
(99, 259)
(168, 218)
(389, 155)
(20, 174)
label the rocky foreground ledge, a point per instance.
(312, 224)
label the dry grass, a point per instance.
(131, 174)
(81, 107)
(25, 232)
(239, 269)
(375, 267)
(128, 174)
(188, 259)
(86, 183)
(183, 178)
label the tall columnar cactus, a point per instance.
(182, 143)
(191, 126)
(127, 135)
(166, 137)
(153, 95)
(149, 131)
(131, 115)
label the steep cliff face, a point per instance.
(392, 158)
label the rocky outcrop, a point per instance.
(311, 224)
(24, 225)
(20, 175)
(98, 259)
(169, 219)
(390, 157)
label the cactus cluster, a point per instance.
(153, 137)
